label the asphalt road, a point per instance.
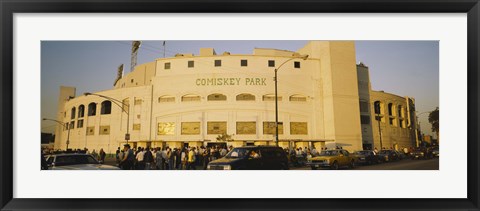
(407, 164)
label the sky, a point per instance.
(404, 68)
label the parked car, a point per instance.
(417, 154)
(76, 162)
(388, 155)
(252, 158)
(366, 157)
(401, 155)
(332, 159)
(435, 151)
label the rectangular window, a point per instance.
(269, 128)
(72, 125)
(136, 126)
(364, 119)
(167, 65)
(271, 63)
(363, 106)
(90, 131)
(246, 128)
(296, 64)
(298, 128)
(80, 123)
(166, 128)
(66, 126)
(104, 130)
(271, 98)
(216, 127)
(191, 64)
(243, 63)
(218, 63)
(138, 102)
(190, 128)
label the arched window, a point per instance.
(245, 97)
(271, 97)
(166, 99)
(298, 98)
(81, 111)
(72, 115)
(92, 109)
(106, 107)
(189, 98)
(400, 111)
(217, 97)
(379, 111)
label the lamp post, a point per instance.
(63, 124)
(304, 57)
(122, 106)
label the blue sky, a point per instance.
(405, 68)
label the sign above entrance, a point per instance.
(231, 81)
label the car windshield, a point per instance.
(238, 153)
(329, 153)
(74, 160)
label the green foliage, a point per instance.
(225, 137)
(433, 118)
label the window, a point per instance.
(271, 63)
(216, 127)
(189, 98)
(243, 62)
(92, 109)
(72, 115)
(217, 97)
(298, 98)
(269, 128)
(81, 111)
(136, 126)
(218, 63)
(166, 128)
(80, 123)
(191, 64)
(166, 99)
(246, 128)
(106, 107)
(167, 66)
(271, 97)
(190, 128)
(245, 97)
(72, 125)
(104, 130)
(400, 111)
(131, 81)
(364, 119)
(138, 102)
(296, 64)
(363, 106)
(298, 128)
(390, 109)
(90, 131)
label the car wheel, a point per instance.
(352, 164)
(334, 165)
(314, 168)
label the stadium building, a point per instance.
(325, 100)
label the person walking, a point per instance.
(148, 159)
(191, 160)
(139, 157)
(128, 158)
(102, 155)
(159, 159)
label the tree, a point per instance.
(224, 137)
(433, 118)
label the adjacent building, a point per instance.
(323, 101)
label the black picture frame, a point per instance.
(10, 7)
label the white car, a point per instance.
(76, 162)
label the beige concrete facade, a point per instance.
(191, 100)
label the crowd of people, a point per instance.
(187, 158)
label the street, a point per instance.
(406, 164)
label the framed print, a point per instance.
(239, 105)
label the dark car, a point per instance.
(417, 154)
(366, 157)
(252, 158)
(388, 155)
